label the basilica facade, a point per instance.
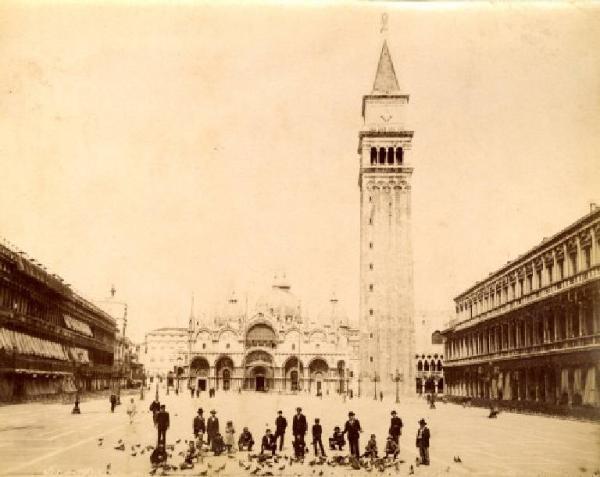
(273, 347)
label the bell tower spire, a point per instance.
(386, 318)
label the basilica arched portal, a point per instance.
(258, 371)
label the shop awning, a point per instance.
(77, 325)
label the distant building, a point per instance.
(429, 357)
(51, 338)
(530, 331)
(164, 349)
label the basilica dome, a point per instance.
(231, 313)
(279, 303)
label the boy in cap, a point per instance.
(391, 448)
(371, 449)
(423, 442)
(396, 428)
(280, 427)
(317, 432)
(337, 439)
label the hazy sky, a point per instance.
(181, 148)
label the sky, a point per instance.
(183, 148)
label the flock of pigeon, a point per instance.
(261, 464)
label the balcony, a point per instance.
(578, 343)
(535, 296)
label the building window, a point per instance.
(318, 345)
(573, 259)
(373, 155)
(371, 335)
(370, 266)
(371, 312)
(293, 346)
(370, 221)
(550, 277)
(370, 199)
(203, 345)
(382, 155)
(399, 155)
(370, 287)
(539, 278)
(227, 346)
(529, 283)
(390, 158)
(370, 244)
(561, 270)
(587, 257)
(371, 359)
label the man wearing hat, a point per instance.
(162, 424)
(280, 427)
(199, 425)
(396, 428)
(212, 427)
(353, 429)
(299, 425)
(423, 442)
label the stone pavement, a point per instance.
(45, 439)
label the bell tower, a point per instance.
(386, 316)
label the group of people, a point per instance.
(207, 433)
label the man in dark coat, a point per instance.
(353, 429)
(280, 427)
(162, 423)
(317, 432)
(199, 424)
(299, 425)
(113, 402)
(423, 442)
(246, 441)
(155, 407)
(212, 426)
(268, 442)
(396, 428)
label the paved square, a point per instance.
(45, 439)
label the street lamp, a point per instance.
(398, 377)
(76, 365)
(375, 379)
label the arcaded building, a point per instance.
(273, 347)
(530, 331)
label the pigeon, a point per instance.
(457, 459)
(133, 454)
(282, 467)
(255, 471)
(178, 441)
(153, 471)
(120, 447)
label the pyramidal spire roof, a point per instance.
(385, 78)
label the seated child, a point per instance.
(190, 456)
(158, 456)
(299, 448)
(337, 439)
(391, 448)
(371, 449)
(218, 444)
(245, 442)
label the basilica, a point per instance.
(267, 346)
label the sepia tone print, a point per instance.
(299, 240)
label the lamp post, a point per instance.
(398, 377)
(76, 365)
(375, 379)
